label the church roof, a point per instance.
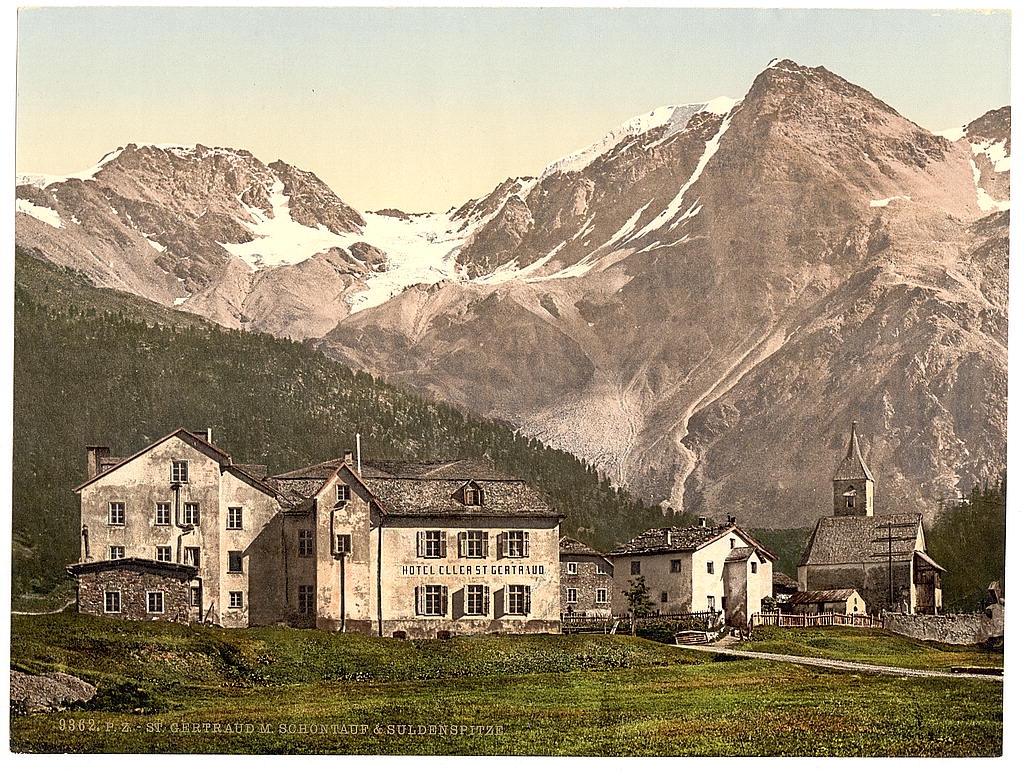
(853, 465)
(843, 540)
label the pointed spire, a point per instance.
(853, 465)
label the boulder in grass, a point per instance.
(47, 692)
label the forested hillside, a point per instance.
(969, 541)
(97, 366)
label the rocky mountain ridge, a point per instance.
(698, 303)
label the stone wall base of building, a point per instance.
(432, 628)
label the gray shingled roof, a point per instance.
(853, 467)
(840, 540)
(570, 546)
(783, 581)
(826, 595)
(663, 539)
(416, 497)
(452, 470)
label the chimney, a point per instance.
(702, 521)
(93, 455)
(668, 535)
(209, 435)
(732, 520)
(348, 456)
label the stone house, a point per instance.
(704, 567)
(183, 501)
(845, 601)
(587, 581)
(884, 557)
(405, 549)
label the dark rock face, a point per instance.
(47, 692)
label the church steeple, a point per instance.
(853, 486)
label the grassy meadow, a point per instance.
(170, 688)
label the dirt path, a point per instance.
(849, 666)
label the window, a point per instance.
(478, 600)
(732, 543)
(664, 596)
(179, 470)
(516, 544)
(753, 567)
(711, 602)
(234, 517)
(850, 496)
(306, 600)
(234, 562)
(571, 595)
(711, 568)
(342, 543)
(195, 596)
(572, 568)
(432, 600)
(344, 493)
(305, 543)
(235, 600)
(604, 569)
(163, 553)
(112, 602)
(115, 515)
(473, 544)
(190, 514)
(155, 602)
(117, 552)
(431, 543)
(518, 603)
(602, 596)
(473, 496)
(634, 568)
(163, 514)
(192, 555)
(676, 566)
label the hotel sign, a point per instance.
(473, 570)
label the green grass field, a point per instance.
(871, 646)
(168, 688)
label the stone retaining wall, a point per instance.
(964, 629)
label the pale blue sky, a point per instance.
(423, 108)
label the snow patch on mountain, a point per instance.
(996, 152)
(710, 148)
(886, 201)
(43, 180)
(672, 117)
(41, 213)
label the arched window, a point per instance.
(850, 496)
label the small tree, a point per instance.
(638, 600)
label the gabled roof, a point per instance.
(414, 489)
(190, 437)
(783, 581)
(740, 555)
(570, 547)
(853, 467)
(826, 595)
(843, 540)
(679, 539)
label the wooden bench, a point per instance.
(692, 638)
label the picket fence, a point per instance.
(820, 619)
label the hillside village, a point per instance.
(180, 531)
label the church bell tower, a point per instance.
(853, 487)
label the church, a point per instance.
(883, 557)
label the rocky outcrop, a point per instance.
(47, 692)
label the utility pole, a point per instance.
(891, 598)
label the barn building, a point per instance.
(587, 581)
(697, 568)
(883, 557)
(179, 531)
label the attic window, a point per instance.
(472, 495)
(344, 493)
(753, 567)
(179, 470)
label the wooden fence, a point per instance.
(820, 619)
